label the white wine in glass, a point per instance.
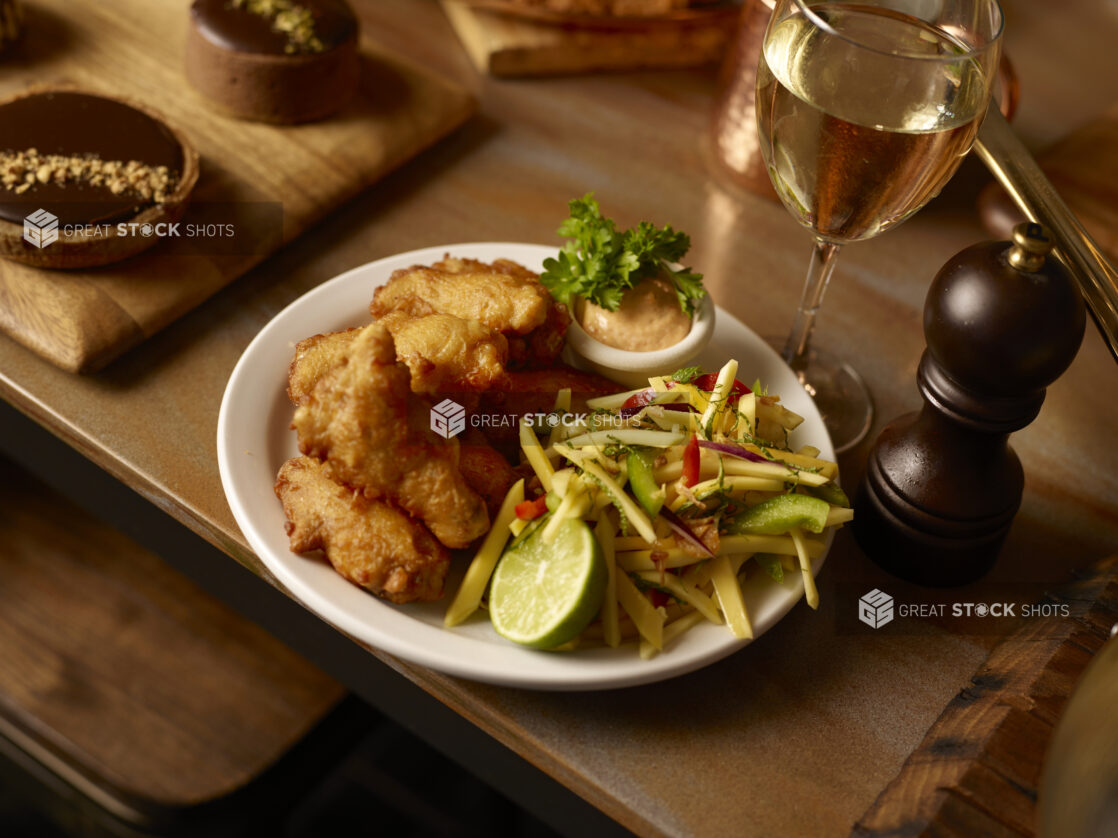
(865, 111)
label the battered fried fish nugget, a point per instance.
(314, 357)
(485, 469)
(444, 352)
(503, 296)
(369, 542)
(373, 433)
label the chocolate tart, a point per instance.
(75, 165)
(11, 23)
(280, 61)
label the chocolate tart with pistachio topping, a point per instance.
(87, 179)
(280, 61)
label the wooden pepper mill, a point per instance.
(942, 486)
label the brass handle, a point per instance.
(1007, 158)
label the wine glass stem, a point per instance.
(818, 274)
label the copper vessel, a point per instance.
(734, 129)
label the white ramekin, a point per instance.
(632, 369)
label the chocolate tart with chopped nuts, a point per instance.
(11, 23)
(75, 167)
(280, 61)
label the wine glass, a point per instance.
(864, 110)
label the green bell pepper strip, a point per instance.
(831, 493)
(649, 493)
(779, 515)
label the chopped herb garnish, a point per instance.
(686, 375)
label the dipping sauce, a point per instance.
(648, 318)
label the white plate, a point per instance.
(254, 438)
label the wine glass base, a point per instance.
(839, 393)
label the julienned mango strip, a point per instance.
(672, 630)
(774, 472)
(719, 396)
(837, 516)
(468, 597)
(533, 452)
(559, 431)
(811, 593)
(727, 589)
(681, 590)
(628, 507)
(827, 468)
(778, 413)
(611, 630)
(636, 561)
(648, 620)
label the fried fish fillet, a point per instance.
(485, 469)
(503, 296)
(373, 433)
(444, 352)
(369, 542)
(314, 357)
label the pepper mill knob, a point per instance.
(1030, 245)
(1002, 321)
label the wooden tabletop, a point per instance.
(798, 734)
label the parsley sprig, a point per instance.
(600, 264)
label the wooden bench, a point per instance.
(135, 699)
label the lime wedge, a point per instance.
(544, 594)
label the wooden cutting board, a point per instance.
(978, 770)
(505, 45)
(1084, 169)
(271, 183)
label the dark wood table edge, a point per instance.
(146, 513)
